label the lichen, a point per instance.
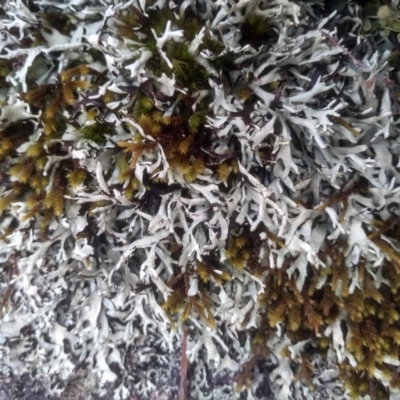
(227, 169)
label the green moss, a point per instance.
(142, 106)
(59, 128)
(189, 73)
(132, 21)
(256, 30)
(191, 27)
(96, 133)
(59, 20)
(195, 121)
(224, 62)
(371, 8)
(212, 45)
(77, 177)
(5, 69)
(158, 19)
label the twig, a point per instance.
(373, 73)
(184, 368)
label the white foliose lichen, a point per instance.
(227, 166)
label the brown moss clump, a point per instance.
(370, 314)
(52, 98)
(180, 303)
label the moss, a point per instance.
(142, 106)
(5, 69)
(180, 135)
(256, 30)
(97, 133)
(190, 74)
(179, 303)
(76, 177)
(132, 188)
(62, 21)
(53, 98)
(372, 314)
(195, 121)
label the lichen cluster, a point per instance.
(226, 167)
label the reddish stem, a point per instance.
(184, 368)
